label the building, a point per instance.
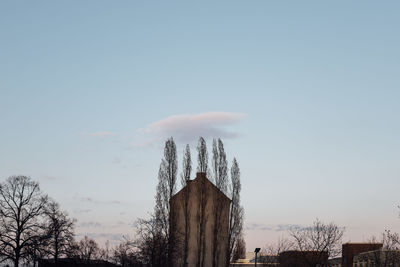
(199, 224)
(296, 258)
(335, 262)
(262, 260)
(349, 250)
(377, 258)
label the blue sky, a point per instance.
(304, 94)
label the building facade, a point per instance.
(349, 250)
(199, 225)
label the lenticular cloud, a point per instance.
(188, 127)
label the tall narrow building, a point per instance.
(199, 221)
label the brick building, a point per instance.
(349, 250)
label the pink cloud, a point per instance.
(188, 127)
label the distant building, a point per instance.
(377, 258)
(335, 262)
(296, 258)
(349, 250)
(351, 255)
(262, 260)
(193, 215)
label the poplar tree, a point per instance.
(166, 188)
(236, 211)
(220, 166)
(185, 177)
(202, 156)
(220, 173)
(202, 160)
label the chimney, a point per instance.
(201, 175)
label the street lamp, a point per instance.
(255, 259)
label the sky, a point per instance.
(305, 95)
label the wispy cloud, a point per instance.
(274, 227)
(90, 225)
(78, 211)
(93, 224)
(108, 236)
(103, 202)
(100, 134)
(188, 127)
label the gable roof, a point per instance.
(201, 176)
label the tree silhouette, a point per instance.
(22, 205)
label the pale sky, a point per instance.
(305, 94)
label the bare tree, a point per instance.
(202, 159)
(171, 166)
(166, 183)
(220, 171)
(320, 238)
(38, 248)
(125, 254)
(220, 166)
(239, 252)
(283, 244)
(151, 242)
(106, 252)
(185, 177)
(270, 252)
(161, 209)
(88, 249)
(21, 208)
(60, 231)
(236, 210)
(186, 166)
(165, 190)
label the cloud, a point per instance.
(188, 127)
(102, 202)
(77, 211)
(90, 225)
(257, 226)
(100, 134)
(118, 224)
(93, 224)
(275, 227)
(108, 236)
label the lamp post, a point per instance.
(255, 259)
